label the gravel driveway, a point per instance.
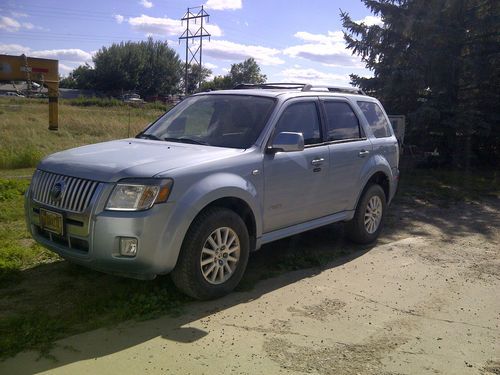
(424, 300)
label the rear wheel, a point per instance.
(368, 219)
(214, 254)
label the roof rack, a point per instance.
(270, 86)
(301, 86)
(345, 90)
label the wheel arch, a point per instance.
(379, 177)
(224, 190)
(242, 209)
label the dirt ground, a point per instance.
(423, 300)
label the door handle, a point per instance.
(363, 153)
(317, 161)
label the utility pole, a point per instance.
(191, 53)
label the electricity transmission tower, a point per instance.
(192, 53)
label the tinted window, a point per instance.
(341, 121)
(376, 119)
(301, 118)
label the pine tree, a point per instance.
(418, 59)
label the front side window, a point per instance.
(301, 118)
(216, 120)
(341, 121)
(376, 119)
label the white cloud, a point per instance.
(12, 25)
(9, 24)
(225, 50)
(13, 49)
(328, 49)
(146, 4)
(64, 69)
(165, 26)
(224, 4)
(71, 54)
(119, 18)
(314, 76)
(330, 37)
(371, 20)
(209, 66)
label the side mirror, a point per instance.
(287, 142)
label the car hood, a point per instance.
(115, 160)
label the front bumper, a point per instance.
(91, 238)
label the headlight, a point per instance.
(139, 195)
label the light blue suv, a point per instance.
(218, 176)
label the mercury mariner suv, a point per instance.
(216, 177)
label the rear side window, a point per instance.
(341, 121)
(376, 119)
(301, 118)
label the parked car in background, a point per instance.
(132, 98)
(216, 177)
(13, 94)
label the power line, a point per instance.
(201, 33)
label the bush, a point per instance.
(93, 101)
(23, 158)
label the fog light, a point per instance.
(128, 246)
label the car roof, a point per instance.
(287, 90)
(288, 93)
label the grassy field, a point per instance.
(43, 298)
(25, 139)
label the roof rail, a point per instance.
(301, 86)
(345, 90)
(270, 86)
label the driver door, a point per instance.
(296, 182)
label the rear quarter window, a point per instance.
(376, 119)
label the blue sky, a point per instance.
(293, 41)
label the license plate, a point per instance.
(51, 221)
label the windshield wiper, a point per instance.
(185, 140)
(149, 136)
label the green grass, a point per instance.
(17, 250)
(25, 137)
(42, 298)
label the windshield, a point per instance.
(216, 120)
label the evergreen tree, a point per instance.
(418, 58)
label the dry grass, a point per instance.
(25, 138)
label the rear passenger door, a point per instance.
(349, 152)
(296, 182)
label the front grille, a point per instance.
(76, 194)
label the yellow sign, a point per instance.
(44, 71)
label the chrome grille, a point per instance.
(76, 195)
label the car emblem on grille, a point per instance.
(57, 190)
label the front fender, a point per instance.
(193, 201)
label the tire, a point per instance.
(214, 255)
(368, 220)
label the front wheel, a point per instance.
(368, 219)
(214, 254)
